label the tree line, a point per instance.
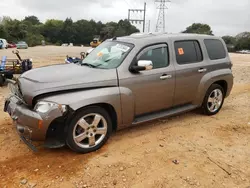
(83, 31)
(80, 32)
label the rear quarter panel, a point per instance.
(218, 70)
(209, 79)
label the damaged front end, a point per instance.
(39, 123)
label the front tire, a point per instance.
(89, 129)
(213, 100)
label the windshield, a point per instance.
(108, 55)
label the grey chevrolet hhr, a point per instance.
(125, 81)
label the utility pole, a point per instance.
(138, 20)
(160, 26)
(144, 17)
(149, 26)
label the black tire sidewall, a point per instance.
(88, 110)
(209, 91)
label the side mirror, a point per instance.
(142, 65)
(145, 63)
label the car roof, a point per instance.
(158, 37)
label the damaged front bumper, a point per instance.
(30, 125)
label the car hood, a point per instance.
(64, 77)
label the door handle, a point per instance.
(164, 77)
(202, 70)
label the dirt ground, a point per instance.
(210, 151)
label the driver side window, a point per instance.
(158, 56)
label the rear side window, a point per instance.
(215, 49)
(188, 52)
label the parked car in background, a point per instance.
(11, 45)
(22, 45)
(124, 81)
(3, 44)
(65, 44)
(244, 51)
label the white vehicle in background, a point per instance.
(247, 51)
(244, 51)
(4, 43)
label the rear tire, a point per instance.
(89, 130)
(213, 100)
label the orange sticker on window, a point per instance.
(99, 54)
(180, 51)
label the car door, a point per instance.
(190, 68)
(153, 90)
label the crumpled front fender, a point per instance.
(78, 99)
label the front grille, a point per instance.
(15, 90)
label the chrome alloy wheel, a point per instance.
(215, 100)
(90, 130)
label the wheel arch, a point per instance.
(206, 87)
(222, 77)
(108, 107)
(58, 128)
(223, 84)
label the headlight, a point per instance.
(44, 106)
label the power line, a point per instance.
(138, 20)
(160, 26)
(128, 3)
(134, 3)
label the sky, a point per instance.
(226, 17)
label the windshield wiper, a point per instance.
(107, 60)
(88, 64)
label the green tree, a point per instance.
(16, 30)
(122, 28)
(5, 19)
(84, 32)
(243, 41)
(68, 31)
(52, 30)
(108, 31)
(34, 39)
(3, 33)
(199, 28)
(32, 19)
(229, 40)
(99, 26)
